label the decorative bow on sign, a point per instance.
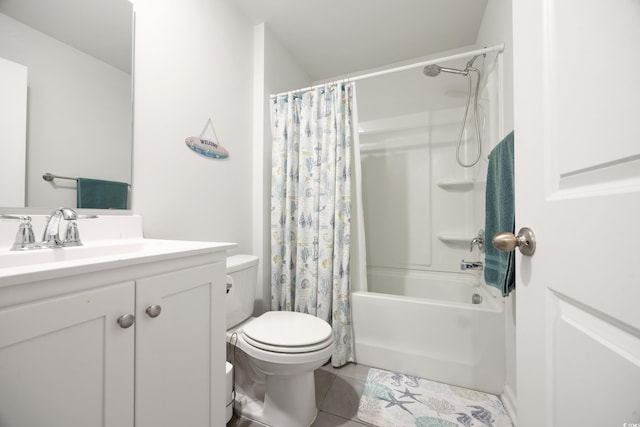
(207, 147)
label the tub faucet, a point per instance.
(478, 241)
(51, 237)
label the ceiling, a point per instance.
(342, 37)
(332, 38)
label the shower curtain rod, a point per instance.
(499, 48)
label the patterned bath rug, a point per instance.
(396, 400)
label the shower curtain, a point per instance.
(314, 132)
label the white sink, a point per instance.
(129, 248)
(37, 263)
(34, 257)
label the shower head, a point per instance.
(434, 69)
(431, 70)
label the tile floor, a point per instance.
(337, 395)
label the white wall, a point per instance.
(275, 71)
(78, 108)
(193, 61)
(497, 28)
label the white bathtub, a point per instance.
(425, 325)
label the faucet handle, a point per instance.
(25, 239)
(479, 241)
(72, 236)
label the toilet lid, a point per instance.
(288, 332)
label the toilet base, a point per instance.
(289, 401)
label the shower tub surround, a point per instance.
(422, 210)
(426, 325)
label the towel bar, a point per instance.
(49, 177)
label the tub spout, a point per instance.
(471, 265)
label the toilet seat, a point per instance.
(278, 349)
(287, 332)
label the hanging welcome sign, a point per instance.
(207, 147)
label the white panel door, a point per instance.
(577, 150)
(180, 353)
(66, 362)
(13, 133)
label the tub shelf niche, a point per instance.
(453, 184)
(457, 239)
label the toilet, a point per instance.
(274, 355)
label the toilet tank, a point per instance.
(242, 276)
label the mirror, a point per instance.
(77, 55)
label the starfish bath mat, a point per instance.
(390, 399)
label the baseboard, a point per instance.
(508, 399)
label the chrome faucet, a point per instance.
(471, 265)
(478, 241)
(474, 265)
(51, 237)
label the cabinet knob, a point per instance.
(126, 320)
(153, 311)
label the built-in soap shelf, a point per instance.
(455, 238)
(453, 184)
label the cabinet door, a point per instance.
(66, 362)
(180, 352)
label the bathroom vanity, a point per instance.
(118, 332)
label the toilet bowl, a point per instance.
(281, 351)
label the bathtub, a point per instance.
(426, 325)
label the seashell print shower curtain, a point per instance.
(311, 207)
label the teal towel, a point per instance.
(499, 267)
(98, 194)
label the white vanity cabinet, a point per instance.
(64, 361)
(175, 350)
(67, 360)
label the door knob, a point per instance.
(525, 241)
(153, 311)
(126, 320)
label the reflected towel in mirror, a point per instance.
(99, 194)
